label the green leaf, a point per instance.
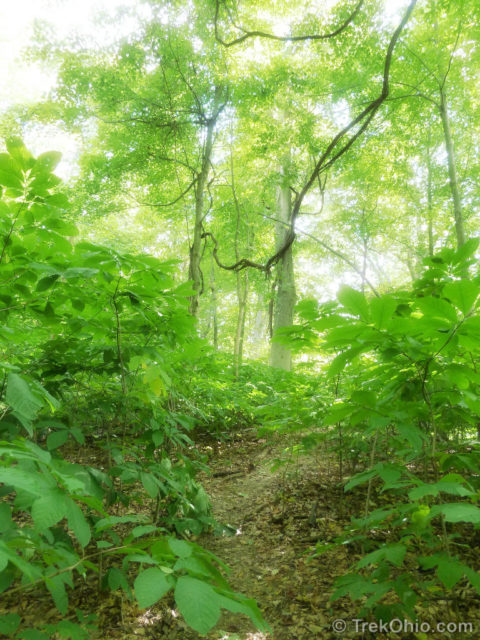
(437, 308)
(198, 603)
(180, 548)
(237, 603)
(56, 439)
(117, 579)
(10, 174)
(9, 623)
(17, 149)
(354, 302)
(360, 478)
(382, 310)
(393, 553)
(458, 512)
(474, 578)
(151, 585)
(78, 523)
(339, 362)
(48, 160)
(20, 397)
(466, 251)
(33, 482)
(462, 293)
(49, 509)
(143, 530)
(33, 634)
(57, 590)
(453, 488)
(46, 283)
(364, 398)
(450, 571)
(149, 484)
(411, 434)
(5, 517)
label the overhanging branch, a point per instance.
(331, 154)
(263, 34)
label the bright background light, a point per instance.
(22, 81)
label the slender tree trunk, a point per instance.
(242, 279)
(452, 170)
(284, 303)
(213, 309)
(429, 200)
(242, 294)
(195, 272)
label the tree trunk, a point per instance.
(242, 279)
(242, 294)
(452, 170)
(429, 200)
(213, 311)
(194, 270)
(284, 303)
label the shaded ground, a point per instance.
(275, 518)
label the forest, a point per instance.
(239, 319)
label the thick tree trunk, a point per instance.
(284, 303)
(452, 170)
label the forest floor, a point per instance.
(275, 517)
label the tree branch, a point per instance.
(262, 34)
(329, 156)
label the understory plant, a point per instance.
(407, 406)
(89, 340)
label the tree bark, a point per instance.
(284, 302)
(242, 295)
(429, 200)
(194, 270)
(452, 170)
(242, 279)
(213, 309)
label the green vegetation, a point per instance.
(271, 227)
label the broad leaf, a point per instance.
(198, 603)
(151, 585)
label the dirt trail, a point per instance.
(270, 514)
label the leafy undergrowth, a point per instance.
(271, 523)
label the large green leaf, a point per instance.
(450, 571)
(5, 517)
(180, 548)
(30, 481)
(462, 293)
(58, 592)
(10, 173)
(9, 623)
(354, 302)
(437, 308)
(237, 603)
(20, 397)
(393, 553)
(382, 310)
(49, 509)
(198, 603)
(151, 585)
(458, 512)
(48, 160)
(78, 523)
